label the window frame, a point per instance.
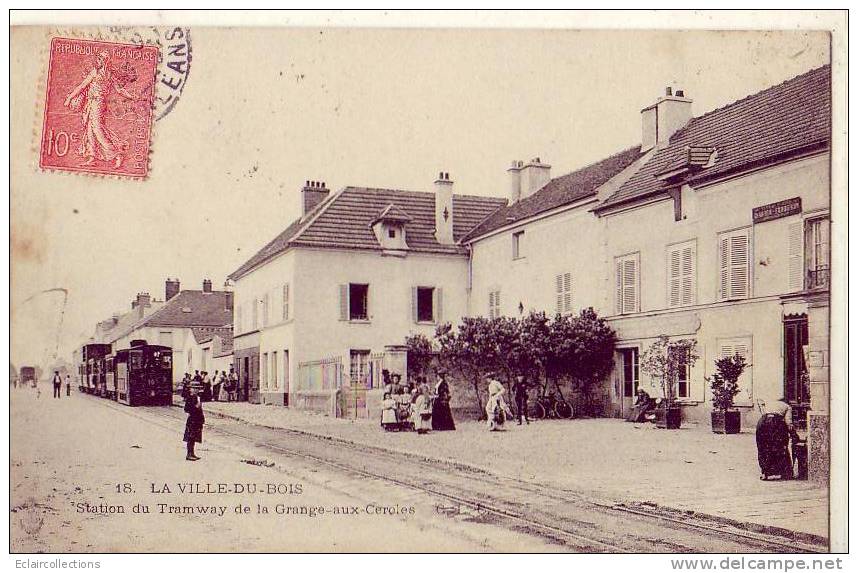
(517, 253)
(563, 293)
(431, 300)
(811, 250)
(364, 317)
(749, 267)
(746, 380)
(636, 257)
(692, 275)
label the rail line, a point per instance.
(546, 525)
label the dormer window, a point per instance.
(389, 228)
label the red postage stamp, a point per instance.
(98, 107)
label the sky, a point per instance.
(265, 109)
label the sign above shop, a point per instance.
(777, 210)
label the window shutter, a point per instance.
(724, 267)
(630, 295)
(558, 289)
(688, 287)
(794, 238)
(567, 292)
(238, 326)
(742, 347)
(265, 300)
(674, 278)
(286, 301)
(414, 314)
(619, 278)
(344, 302)
(439, 305)
(368, 302)
(739, 275)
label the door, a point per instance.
(244, 376)
(796, 382)
(629, 378)
(355, 402)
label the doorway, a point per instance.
(629, 378)
(796, 380)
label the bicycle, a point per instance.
(548, 405)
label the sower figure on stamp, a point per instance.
(194, 425)
(92, 95)
(58, 383)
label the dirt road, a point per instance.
(373, 500)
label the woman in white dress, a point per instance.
(496, 408)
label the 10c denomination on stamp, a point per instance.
(98, 107)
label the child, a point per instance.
(388, 413)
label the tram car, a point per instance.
(143, 374)
(91, 369)
(28, 375)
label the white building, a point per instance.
(715, 228)
(324, 303)
(171, 322)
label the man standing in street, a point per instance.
(519, 390)
(58, 383)
(68, 385)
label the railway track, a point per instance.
(562, 517)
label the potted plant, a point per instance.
(663, 361)
(725, 385)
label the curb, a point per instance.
(648, 506)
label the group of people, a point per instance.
(221, 387)
(416, 406)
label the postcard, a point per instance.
(455, 288)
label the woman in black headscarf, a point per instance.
(773, 437)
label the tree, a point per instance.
(421, 353)
(663, 361)
(725, 381)
(592, 353)
(464, 350)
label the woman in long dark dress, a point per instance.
(442, 415)
(773, 436)
(194, 425)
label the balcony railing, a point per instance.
(818, 278)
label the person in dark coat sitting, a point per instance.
(194, 425)
(643, 404)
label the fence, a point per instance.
(317, 385)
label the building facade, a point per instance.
(329, 302)
(715, 229)
(171, 322)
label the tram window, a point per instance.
(136, 360)
(166, 360)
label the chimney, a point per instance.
(665, 117)
(444, 209)
(534, 176)
(171, 289)
(313, 193)
(207, 285)
(142, 302)
(515, 181)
